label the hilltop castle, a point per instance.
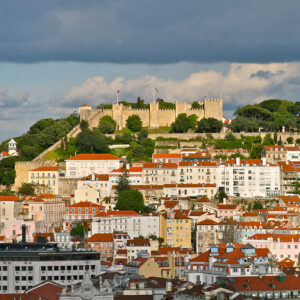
(153, 117)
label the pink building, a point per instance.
(13, 229)
(227, 210)
(280, 245)
(81, 211)
(104, 244)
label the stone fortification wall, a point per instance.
(153, 117)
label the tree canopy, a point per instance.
(134, 123)
(107, 125)
(183, 123)
(26, 189)
(91, 142)
(131, 200)
(209, 125)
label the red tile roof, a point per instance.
(84, 204)
(115, 213)
(9, 198)
(101, 237)
(46, 169)
(106, 156)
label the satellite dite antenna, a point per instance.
(155, 91)
(118, 93)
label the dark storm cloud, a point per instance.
(133, 31)
(265, 74)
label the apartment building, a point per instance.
(160, 173)
(281, 153)
(98, 182)
(204, 172)
(130, 221)
(82, 165)
(176, 229)
(225, 260)
(166, 158)
(10, 208)
(80, 211)
(45, 179)
(51, 212)
(280, 245)
(28, 264)
(133, 175)
(249, 178)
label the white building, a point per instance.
(189, 190)
(130, 221)
(98, 182)
(133, 174)
(26, 265)
(292, 153)
(82, 165)
(12, 150)
(249, 178)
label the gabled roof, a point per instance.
(208, 222)
(116, 213)
(139, 242)
(102, 156)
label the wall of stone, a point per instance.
(153, 117)
(67, 186)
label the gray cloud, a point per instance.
(265, 74)
(134, 31)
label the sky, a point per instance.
(58, 54)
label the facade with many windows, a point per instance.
(26, 265)
(249, 178)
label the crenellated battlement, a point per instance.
(154, 116)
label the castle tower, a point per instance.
(84, 111)
(117, 114)
(154, 115)
(213, 108)
(12, 148)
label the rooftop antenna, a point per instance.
(118, 93)
(155, 91)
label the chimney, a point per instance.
(237, 161)
(93, 176)
(127, 166)
(224, 200)
(23, 233)
(264, 161)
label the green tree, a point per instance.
(290, 140)
(257, 205)
(183, 123)
(268, 141)
(244, 124)
(84, 125)
(7, 192)
(125, 138)
(138, 152)
(7, 170)
(131, 200)
(140, 103)
(26, 189)
(196, 105)
(220, 195)
(41, 125)
(210, 125)
(297, 141)
(134, 123)
(89, 141)
(78, 230)
(143, 134)
(123, 184)
(256, 152)
(107, 125)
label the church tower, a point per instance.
(12, 148)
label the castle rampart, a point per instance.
(152, 117)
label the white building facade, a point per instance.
(249, 178)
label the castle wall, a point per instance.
(166, 117)
(153, 117)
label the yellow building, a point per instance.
(45, 179)
(176, 230)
